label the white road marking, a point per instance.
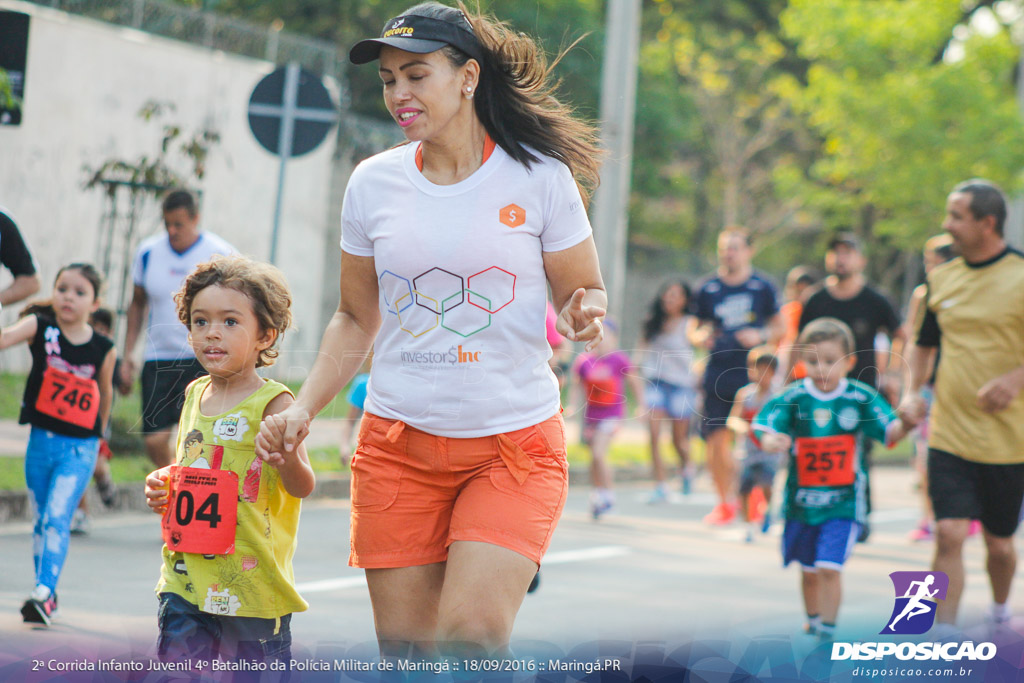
(897, 515)
(330, 584)
(563, 557)
(585, 554)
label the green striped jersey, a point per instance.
(826, 478)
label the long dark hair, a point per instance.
(656, 316)
(45, 306)
(515, 101)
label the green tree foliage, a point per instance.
(346, 21)
(900, 127)
(794, 117)
(715, 124)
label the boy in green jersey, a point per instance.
(821, 422)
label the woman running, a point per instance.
(449, 245)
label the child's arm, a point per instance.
(21, 331)
(776, 442)
(896, 430)
(106, 381)
(774, 424)
(736, 423)
(157, 490)
(296, 473)
(881, 423)
(630, 372)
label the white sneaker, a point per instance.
(79, 523)
(998, 616)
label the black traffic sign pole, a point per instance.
(299, 127)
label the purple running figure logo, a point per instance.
(917, 594)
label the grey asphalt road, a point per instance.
(646, 574)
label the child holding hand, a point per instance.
(230, 598)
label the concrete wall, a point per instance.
(85, 83)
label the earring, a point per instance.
(469, 93)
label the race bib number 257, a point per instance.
(826, 460)
(202, 512)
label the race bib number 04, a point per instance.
(69, 398)
(826, 460)
(202, 511)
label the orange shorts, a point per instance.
(413, 493)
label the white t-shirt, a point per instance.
(668, 357)
(160, 271)
(462, 350)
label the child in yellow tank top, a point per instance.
(230, 518)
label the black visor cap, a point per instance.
(421, 35)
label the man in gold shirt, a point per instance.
(975, 307)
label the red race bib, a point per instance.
(69, 398)
(202, 512)
(826, 460)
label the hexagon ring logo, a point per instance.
(438, 285)
(395, 288)
(491, 289)
(512, 215)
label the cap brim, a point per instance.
(368, 50)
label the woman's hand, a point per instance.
(281, 434)
(581, 323)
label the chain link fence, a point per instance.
(209, 30)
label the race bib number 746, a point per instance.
(69, 398)
(826, 460)
(202, 512)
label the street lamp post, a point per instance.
(618, 106)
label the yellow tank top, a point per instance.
(257, 579)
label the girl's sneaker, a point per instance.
(659, 495)
(922, 533)
(601, 503)
(40, 607)
(598, 509)
(80, 523)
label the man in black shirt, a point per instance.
(15, 256)
(847, 296)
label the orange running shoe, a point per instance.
(724, 513)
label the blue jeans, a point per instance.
(188, 633)
(57, 470)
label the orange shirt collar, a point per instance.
(488, 149)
